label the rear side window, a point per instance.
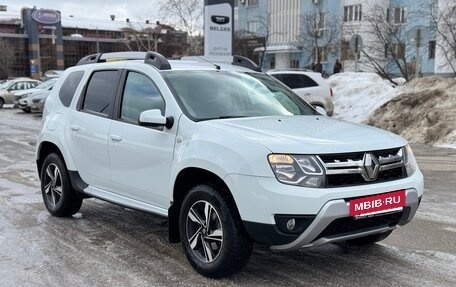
(99, 93)
(69, 87)
(296, 81)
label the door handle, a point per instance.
(74, 128)
(116, 138)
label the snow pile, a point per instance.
(358, 95)
(423, 111)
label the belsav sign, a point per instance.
(46, 16)
(218, 28)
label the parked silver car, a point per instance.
(9, 87)
(309, 85)
(25, 105)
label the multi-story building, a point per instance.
(31, 45)
(389, 34)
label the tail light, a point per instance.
(330, 92)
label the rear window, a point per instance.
(99, 93)
(296, 81)
(69, 87)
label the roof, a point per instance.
(84, 23)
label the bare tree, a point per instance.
(6, 58)
(187, 15)
(319, 33)
(386, 48)
(142, 40)
(443, 19)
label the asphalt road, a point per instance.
(110, 245)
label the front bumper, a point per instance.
(261, 199)
(315, 234)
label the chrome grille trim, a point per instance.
(358, 165)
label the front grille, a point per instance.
(363, 167)
(348, 225)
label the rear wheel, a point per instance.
(2, 102)
(370, 239)
(59, 197)
(211, 232)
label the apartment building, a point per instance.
(395, 34)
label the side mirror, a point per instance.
(321, 111)
(154, 118)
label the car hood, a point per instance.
(308, 134)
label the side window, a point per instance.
(14, 87)
(291, 80)
(140, 94)
(69, 87)
(307, 82)
(99, 93)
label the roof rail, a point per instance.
(152, 58)
(245, 62)
(157, 60)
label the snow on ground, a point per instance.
(422, 111)
(358, 95)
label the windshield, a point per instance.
(208, 95)
(5, 85)
(47, 84)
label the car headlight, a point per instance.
(409, 159)
(300, 170)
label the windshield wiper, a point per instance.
(220, 117)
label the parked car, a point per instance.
(310, 86)
(25, 105)
(230, 155)
(8, 88)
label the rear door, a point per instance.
(301, 84)
(88, 128)
(141, 157)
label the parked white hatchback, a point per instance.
(310, 86)
(229, 154)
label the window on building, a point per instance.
(294, 63)
(398, 51)
(352, 13)
(321, 20)
(252, 2)
(320, 54)
(431, 49)
(399, 15)
(252, 26)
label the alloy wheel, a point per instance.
(53, 184)
(204, 231)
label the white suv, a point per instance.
(230, 155)
(310, 86)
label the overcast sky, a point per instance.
(135, 10)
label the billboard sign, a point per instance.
(46, 16)
(218, 28)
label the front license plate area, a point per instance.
(377, 204)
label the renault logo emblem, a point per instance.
(371, 167)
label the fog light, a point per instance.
(291, 224)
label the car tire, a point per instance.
(59, 197)
(2, 102)
(370, 239)
(27, 110)
(212, 235)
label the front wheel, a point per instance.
(214, 241)
(58, 195)
(27, 110)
